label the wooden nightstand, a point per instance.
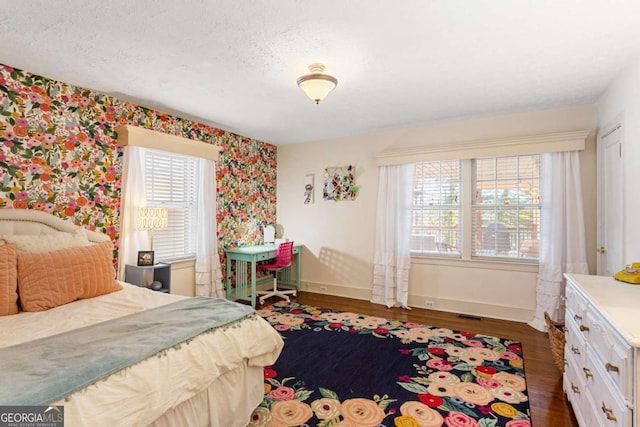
(145, 276)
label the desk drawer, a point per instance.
(274, 253)
(266, 255)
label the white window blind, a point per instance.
(506, 207)
(435, 227)
(170, 181)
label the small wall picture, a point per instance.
(308, 189)
(145, 258)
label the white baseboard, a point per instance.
(470, 308)
(339, 291)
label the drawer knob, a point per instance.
(609, 413)
(575, 388)
(611, 368)
(587, 373)
(575, 349)
(584, 328)
(577, 317)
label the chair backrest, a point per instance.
(284, 257)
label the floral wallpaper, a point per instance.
(58, 153)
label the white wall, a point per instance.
(339, 236)
(622, 100)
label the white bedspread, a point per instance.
(140, 394)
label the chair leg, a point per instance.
(276, 292)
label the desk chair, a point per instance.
(284, 258)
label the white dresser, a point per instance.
(601, 351)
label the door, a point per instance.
(610, 202)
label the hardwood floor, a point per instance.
(549, 406)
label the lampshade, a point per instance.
(153, 218)
(317, 85)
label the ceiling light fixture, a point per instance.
(317, 85)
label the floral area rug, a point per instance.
(349, 370)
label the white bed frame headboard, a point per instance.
(25, 221)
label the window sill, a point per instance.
(476, 263)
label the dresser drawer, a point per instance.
(606, 396)
(592, 413)
(574, 342)
(576, 304)
(574, 387)
(612, 354)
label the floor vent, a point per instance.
(470, 317)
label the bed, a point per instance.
(213, 379)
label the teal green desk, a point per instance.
(245, 260)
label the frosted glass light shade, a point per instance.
(317, 85)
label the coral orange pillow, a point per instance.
(8, 280)
(50, 279)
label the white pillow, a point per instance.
(48, 242)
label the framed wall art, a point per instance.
(308, 189)
(340, 183)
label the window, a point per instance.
(436, 215)
(170, 181)
(506, 207)
(500, 217)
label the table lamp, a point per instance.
(152, 219)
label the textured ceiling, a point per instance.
(234, 63)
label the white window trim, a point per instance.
(534, 144)
(466, 194)
(482, 263)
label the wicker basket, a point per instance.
(557, 340)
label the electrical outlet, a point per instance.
(429, 304)
(323, 289)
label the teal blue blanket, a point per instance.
(48, 369)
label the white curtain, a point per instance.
(208, 274)
(393, 236)
(562, 233)
(133, 196)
